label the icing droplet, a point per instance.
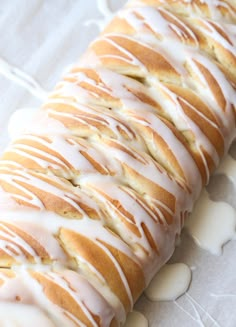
(228, 168)
(170, 282)
(19, 120)
(136, 319)
(212, 224)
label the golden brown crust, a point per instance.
(61, 298)
(98, 257)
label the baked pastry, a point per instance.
(95, 192)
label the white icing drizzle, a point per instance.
(226, 114)
(228, 168)
(179, 118)
(213, 6)
(127, 56)
(96, 121)
(179, 60)
(170, 283)
(209, 28)
(94, 230)
(223, 295)
(59, 280)
(145, 166)
(182, 119)
(119, 91)
(51, 184)
(199, 306)
(30, 292)
(182, 155)
(199, 312)
(161, 234)
(64, 89)
(116, 83)
(136, 319)
(21, 78)
(138, 213)
(68, 153)
(14, 245)
(150, 16)
(105, 11)
(197, 318)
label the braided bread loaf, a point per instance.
(96, 191)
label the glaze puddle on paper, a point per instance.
(228, 168)
(170, 282)
(211, 224)
(136, 319)
(173, 281)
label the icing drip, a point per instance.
(136, 319)
(170, 283)
(21, 78)
(105, 11)
(228, 168)
(212, 224)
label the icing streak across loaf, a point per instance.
(95, 191)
